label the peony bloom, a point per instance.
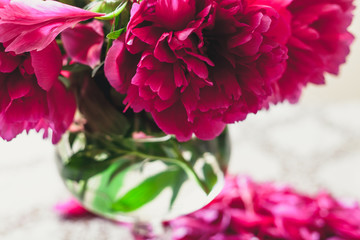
(83, 42)
(31, 96)
(319, 43)
(32, 25)
(198, 65)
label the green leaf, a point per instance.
(180, 178)
(225, 149)
(82, 167)
(195, 149)
(72, 138)
(125, 143)
(114, 13)
(145, 192)
(115, 34)
(120, 169)
(111, 182)
(210, 176)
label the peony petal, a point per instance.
(225, 77)
(27, 66)
(134, 100)
(148, 35)
(120, 74)
(148, 61)
(5, 99)
(9, 130)
(190, 98)
(29, 109)
(173, 120)
(179, 76)
(70, 208)
(159, 81)
(154, 79)
(8, 62)
(47, 65)
(4, 2)
(30, 37)
(140, 77)
(18, 86)
(146, 93)
(175, 14)
(196, 66)
(168, 88)
(62, 106)
(83, 42)
(212, 98)
(112, 71)
(33, 25)
(161, 105)
(162, 50)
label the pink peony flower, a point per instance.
(319, 43)
(32, 97)
(32, 25)
(83, 42)
(198, 65)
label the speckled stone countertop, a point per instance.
(309, 146)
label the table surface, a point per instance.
(309, 146)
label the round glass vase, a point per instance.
(144, 178)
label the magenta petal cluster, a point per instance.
(31, 95)
(198, 65)
(247, 210)
(319, 43)
(32, 25)
(83, 42)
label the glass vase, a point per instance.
(142, 179)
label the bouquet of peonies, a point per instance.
(192, 66)
(144, 89)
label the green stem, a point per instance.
(59, 42)
(180, 156)
(179, 162)
(83, 190)
(114, 27)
